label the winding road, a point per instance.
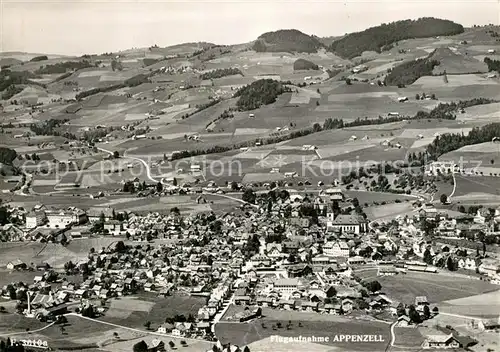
(146, 165)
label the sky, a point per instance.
(76, 27)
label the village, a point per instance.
(291, 254)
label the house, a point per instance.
(165, 328)
(242, 300)
(12, 232)
(387, 271)
(468, 263)
(440, 167)
(181, 329)
(334, 194)
(94, 214)
(336, 249)
(489, 324)
(16, 265)
(421, 301)
(35, 219)
(286, 286)
(287, 304)
(195, 169)
(489, 267)
(347, 224)
(403, 321)
(440, 342)
(61, 219)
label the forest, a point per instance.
(258, 93)
(220, 72)
(375, 38)
(453, 141)
(408, 72)
(287, 40)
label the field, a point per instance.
(482, 305)
(437, 287)
(54, 254)
(134, 312)
(248, 333)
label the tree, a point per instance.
(171, 344)
(443, 198)
(140, 346)
(427, 312)
(331, 292)
(116, 154)
(184, 343)
(174, 182)
(249, 196)
(355, 202)
(427, 256)
(147, 325)
(348, 81)
(450, 264)
(435, 310)
(159, 187)
(401, 310)
(373, 286)
(417, 97)
(413, 315)
(246, 349)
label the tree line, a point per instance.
(453, 141)
(221, 72)
(375, 38)
(442, 111)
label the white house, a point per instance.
(336, 249)
(61, 219)
(35, 219)
(285, 286)
(347, 223)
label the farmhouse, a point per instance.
(16, 265)
(440, 167)
(195, 169)
(440, 342)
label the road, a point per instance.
(146, 165)
(454, 186)
(30, 332)
(219, 315)
(233, 198)
(131, 329)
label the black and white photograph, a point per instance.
(249, 175)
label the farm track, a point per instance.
(130, 329)
(31, 331)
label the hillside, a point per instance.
(408, 72)
(382, 37)
(454, 63)
(287, 40)
(302, 64)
